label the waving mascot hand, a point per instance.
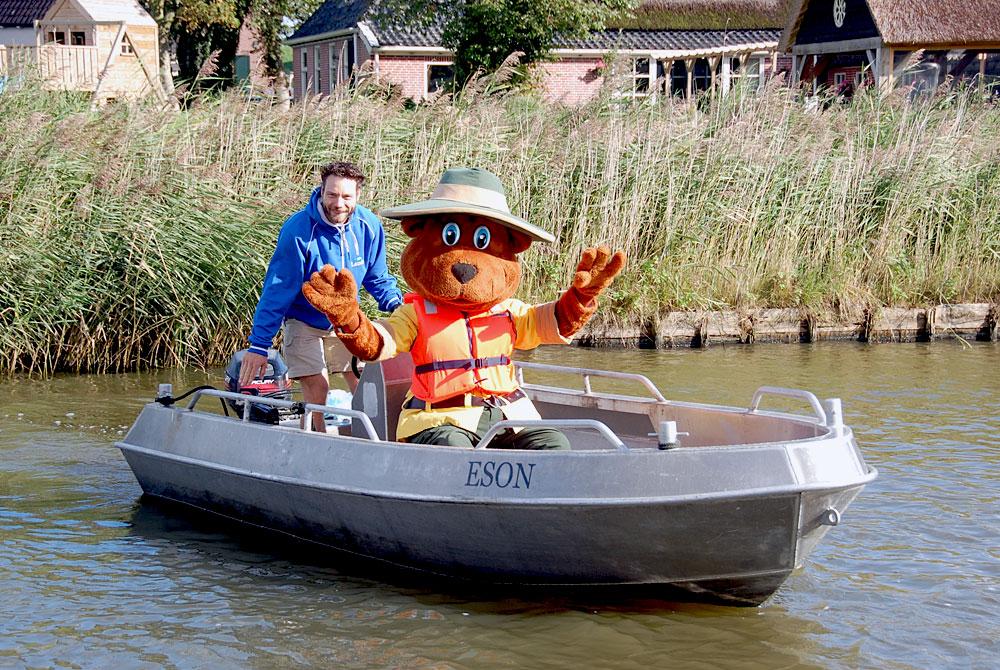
(461, 324)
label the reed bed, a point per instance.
(138, 237)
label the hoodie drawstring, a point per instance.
(343, 252)
(357, 248)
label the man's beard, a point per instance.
(335, 217)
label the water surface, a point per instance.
(90, 576)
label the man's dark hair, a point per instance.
(344, 170)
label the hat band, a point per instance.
(473, 195)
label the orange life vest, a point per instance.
(456, 352)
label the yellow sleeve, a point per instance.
(398, 331)
(535, 324)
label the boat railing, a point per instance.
(307, 409)
(591, 424)
(588, 373)
(817, 407)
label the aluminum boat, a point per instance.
(712, 502)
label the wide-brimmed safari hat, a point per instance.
(470, 191)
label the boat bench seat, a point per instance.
(380, 393)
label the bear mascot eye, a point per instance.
(481, 238)
(450, 234)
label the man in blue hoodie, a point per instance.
(332, 229)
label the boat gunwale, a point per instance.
(740, 494)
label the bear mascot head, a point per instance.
(461, 323)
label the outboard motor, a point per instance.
(274, 384)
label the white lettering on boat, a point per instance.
(502, 474)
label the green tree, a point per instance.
(206, 32)
(196, 29)
(275, 20)
(483, 33)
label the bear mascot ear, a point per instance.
(412, 226)
(518, 241)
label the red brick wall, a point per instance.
(784, 64)
(572, 81)
(249, 45)
(569, 81)
(408, 73)
(849, 74)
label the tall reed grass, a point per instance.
(138, 237)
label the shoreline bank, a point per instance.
(793, 325)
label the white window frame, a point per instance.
(427, 75)
(304, 67)
(318, 70)
(839, 78)
(333, 65)
(126, 48)
(632, 77)
(649, 76)
(345, 69)
(758, 61)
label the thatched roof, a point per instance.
(918, 23)
(707, 15)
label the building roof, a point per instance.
(332, 15)
(707, 15)
(674, 40)
(342, 15)
(407, 36)
(129, 11)
(22, 13)
(951, 23)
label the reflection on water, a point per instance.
(92, 576)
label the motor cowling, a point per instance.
(274, 383)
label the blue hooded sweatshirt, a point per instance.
(306, 243)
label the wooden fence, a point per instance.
(74, 68)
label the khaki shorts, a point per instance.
(312, 351)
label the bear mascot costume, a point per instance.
(461, 324)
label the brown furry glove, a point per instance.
(595, 272)
(336, 295)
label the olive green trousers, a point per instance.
(526, 438)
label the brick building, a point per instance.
(840, 43)
(671, 47)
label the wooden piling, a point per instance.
(971, 320)
(777, 325)
(874, 324)
(896, 324)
